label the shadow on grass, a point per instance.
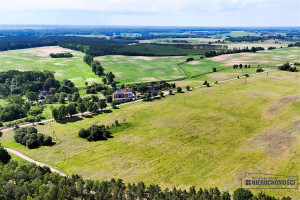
(106, 111)
(52, 144)
(88, 116)
(70, 120)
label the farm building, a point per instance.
(122, 94)
(152, 88)
(43, 94)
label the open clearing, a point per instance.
(38, 59)
(209, 138)
(130, 69)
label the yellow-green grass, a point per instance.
(38, 59)
(204, 137)
(130, 69)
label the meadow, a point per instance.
(206, 137)
(38, 59)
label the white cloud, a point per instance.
(135, 6)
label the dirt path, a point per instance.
(34, 161)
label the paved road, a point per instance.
(33, 161)
(62, 174)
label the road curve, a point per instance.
(34, 161)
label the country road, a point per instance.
(61, 173)
(33, 161)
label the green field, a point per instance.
(130, 69)
(205, 137)
(38, 59)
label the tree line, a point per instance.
(91, 104)
(232, 51)
(61, 55)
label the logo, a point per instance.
(268, 181)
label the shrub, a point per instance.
(47, 140)
(214, 69)
(189, 59)
(4, 156)
(179, 89)
(83, 133)
(161, 94)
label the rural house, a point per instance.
(43, 94)
(152, 88)
(122, 94)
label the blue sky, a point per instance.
(152, 12)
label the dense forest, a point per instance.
(97, 46)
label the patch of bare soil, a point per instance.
(276, 142)
(143, 58)
(276, 109)
(259, 94)
(45, 51)
(194, 63)
(149, 79)
(91, 80)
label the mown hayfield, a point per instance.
(204, 137)
(263, 58)
(130, 69)
(38, 59)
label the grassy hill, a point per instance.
(204, 137)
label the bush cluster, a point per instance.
(95, 133)
(287, 67)
(30, 137)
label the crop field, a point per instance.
(38, 59)
(268, 43)
(267, 58)
(129, 69)
(205, 137)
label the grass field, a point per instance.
(205, 137)
(38, 59)
(129, 69)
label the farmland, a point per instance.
(38, 59)
(203, 137)
(129, 69)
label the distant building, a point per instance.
(43, 94)
(152, 88)
(123, 94)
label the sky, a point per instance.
(152, 12)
